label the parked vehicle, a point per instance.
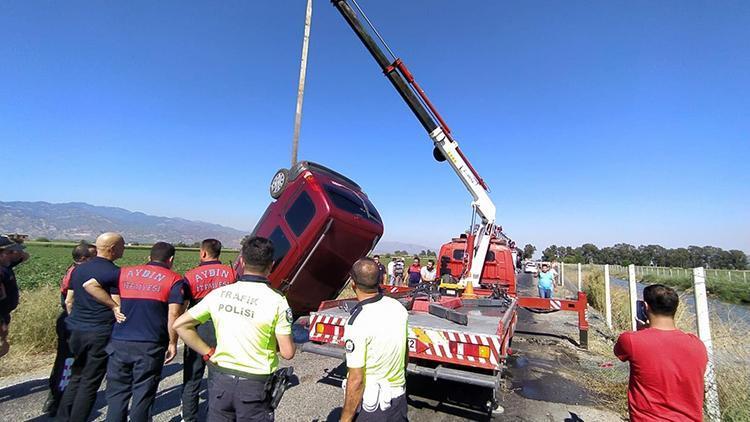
(530, 267)
(320, 223)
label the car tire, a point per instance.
(278, 183)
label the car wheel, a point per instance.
(278, 183)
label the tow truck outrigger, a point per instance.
(463, 330)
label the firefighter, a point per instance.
(210, 274)
(252, 321)
(93, 311)
(58, 378)
(152, 297)
(375, 341)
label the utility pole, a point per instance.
(301, 87)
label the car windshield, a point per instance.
(350, 202)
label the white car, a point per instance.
(530, 267)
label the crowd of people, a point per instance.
(124, 324)
(397, 274)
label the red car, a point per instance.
(320, 223)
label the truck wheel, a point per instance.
(278, 183)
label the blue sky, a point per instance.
(591, 121)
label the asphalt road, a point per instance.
(542, 384)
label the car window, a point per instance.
(281, 246)
(458, 254)
(490, 257)
(347, 201)
(300, 214)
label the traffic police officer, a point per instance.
(210, 274)
(93, 311)
(375, 341)
(151, 298)
(251, 321)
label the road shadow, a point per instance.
(23, 389)
(335, 376)
(464, 401)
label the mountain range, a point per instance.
(78, 220)
(82, 221)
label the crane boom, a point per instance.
(447, 147)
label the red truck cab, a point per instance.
(320, 223)
(499, 266)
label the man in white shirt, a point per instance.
(428, 272)
(391, 277)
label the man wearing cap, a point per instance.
(93, 311)
(375, 342)
(11, 254)
(253, 324)
(152, 297)
(209, 275)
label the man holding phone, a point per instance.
(667, 365)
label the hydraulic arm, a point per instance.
(446, 148)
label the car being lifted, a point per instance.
(320, 223)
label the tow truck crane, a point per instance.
(461, 331)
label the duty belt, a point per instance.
(239, 374)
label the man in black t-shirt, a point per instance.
(11, 254)
(381, 269)
(93, 312)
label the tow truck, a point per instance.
(462, 329)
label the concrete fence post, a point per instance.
(607, 297)
(633, 292)
(713, 412)
(562, 274)
(729, 273)
(580, 279)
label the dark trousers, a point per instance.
(193, 369)
(89, 367)
(134, 371)
(396, 413)
(237, 399)
(61, 369)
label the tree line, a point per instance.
(626, 254)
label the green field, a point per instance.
(48, 262)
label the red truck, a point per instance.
(461, 330)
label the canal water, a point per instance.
(727, 312)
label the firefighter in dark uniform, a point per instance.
(375, 342)
(210, 274)
(152, 297)
(253, 324)
(93, 311)
(11, 254)
(58, 378)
